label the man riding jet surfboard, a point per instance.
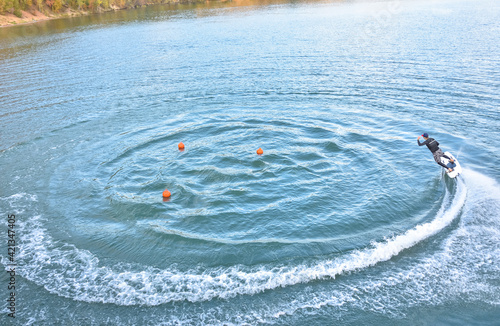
(433, 146)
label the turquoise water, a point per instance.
(343, 220)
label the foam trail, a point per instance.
(465, 268)
(74, 273)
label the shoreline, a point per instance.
(34, 15)
(29, 17)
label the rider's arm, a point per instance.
(422, 144)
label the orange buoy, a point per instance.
(166, 193)
(181, 146)
(260, 151)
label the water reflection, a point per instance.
(148, 13)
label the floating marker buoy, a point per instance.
(181, 146)
(166, 193)
(260, 151)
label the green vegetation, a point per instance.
(17, 9)
(15, 6)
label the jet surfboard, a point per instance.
(457, 169)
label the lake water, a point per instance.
(343, 220)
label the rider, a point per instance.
(433, 146)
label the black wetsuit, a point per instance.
(433, 146)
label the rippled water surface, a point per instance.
(342, 220)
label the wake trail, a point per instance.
(71, 272)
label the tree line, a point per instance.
(15, 6)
